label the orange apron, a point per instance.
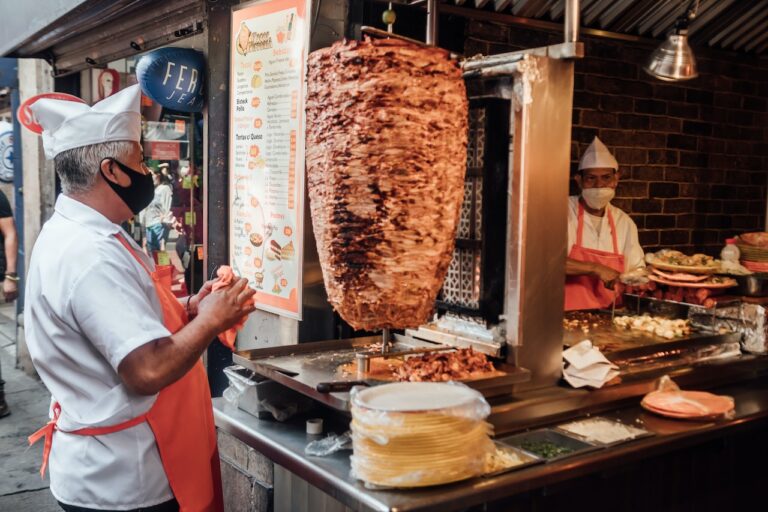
(588, 292)
(181, 420)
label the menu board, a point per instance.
(266, 150)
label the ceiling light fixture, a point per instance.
(674, 61)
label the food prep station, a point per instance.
(516, 322)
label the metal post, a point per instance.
(571, 24)
(432, 22)
(217, 176)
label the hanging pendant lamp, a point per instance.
(674, 61)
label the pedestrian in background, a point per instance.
(8, 250)
(157, 218)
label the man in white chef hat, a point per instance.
(602, 239)
(131, 419)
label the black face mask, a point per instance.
(139, 193)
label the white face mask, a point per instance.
(598, 198)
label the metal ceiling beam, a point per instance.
(614, 11)
(595, 10)
(755, 43)
(747, 32)
(557, 9)
(552, 26)
(668, 22)
(709, 14)
(736, 25)
(658, 14)
(526, 8)
(726, 18)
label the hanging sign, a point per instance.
(174, 78)
(107, 83)
(266, 150)
(27, 118)
(162, 150)
(6, 152)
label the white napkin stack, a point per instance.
(587, 366)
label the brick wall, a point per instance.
(693, 155)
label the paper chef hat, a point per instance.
(597, 156)
(68, 124)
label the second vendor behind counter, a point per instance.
(602, 239)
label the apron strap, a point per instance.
(50, 427)
(47, 432)
(580, 225)
(580, 228)
(131, 250)
(613, 231)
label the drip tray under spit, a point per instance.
(302, 367)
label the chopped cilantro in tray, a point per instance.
(546, 449)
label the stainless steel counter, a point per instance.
(284, 444)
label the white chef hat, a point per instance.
(68, 124)
(597, 156)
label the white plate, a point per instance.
(415, 396)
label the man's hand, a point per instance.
(194, 301)
(222, 309)
(10, 290)
(159, 363)
(606, 274)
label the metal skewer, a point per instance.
(385, 339)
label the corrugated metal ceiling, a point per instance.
(736, 25)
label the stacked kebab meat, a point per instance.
(386, 158)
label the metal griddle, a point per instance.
(638, 352)
(302, 367)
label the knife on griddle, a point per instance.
(339, 386)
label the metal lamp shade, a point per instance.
(673, 60)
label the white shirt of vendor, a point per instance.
(81, 320)
(597, 233)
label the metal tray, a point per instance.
(548, 435)
(302, 367)
(619, 344)
(640, 435)
(529, 460)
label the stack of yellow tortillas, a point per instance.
(415, 434)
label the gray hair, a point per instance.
(78, 167)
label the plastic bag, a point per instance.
(239, 383)
(414, 434)
(328, 445)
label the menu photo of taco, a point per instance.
(243, 38)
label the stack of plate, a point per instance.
(415, 434)
(752, 253)
(755, 266)
(692, 405)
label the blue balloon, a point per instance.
(174, 78)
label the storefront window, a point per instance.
(171, 228)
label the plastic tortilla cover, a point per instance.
(415, 434)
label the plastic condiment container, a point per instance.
(731, 251)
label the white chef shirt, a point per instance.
(597, 233)
(89, 304)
